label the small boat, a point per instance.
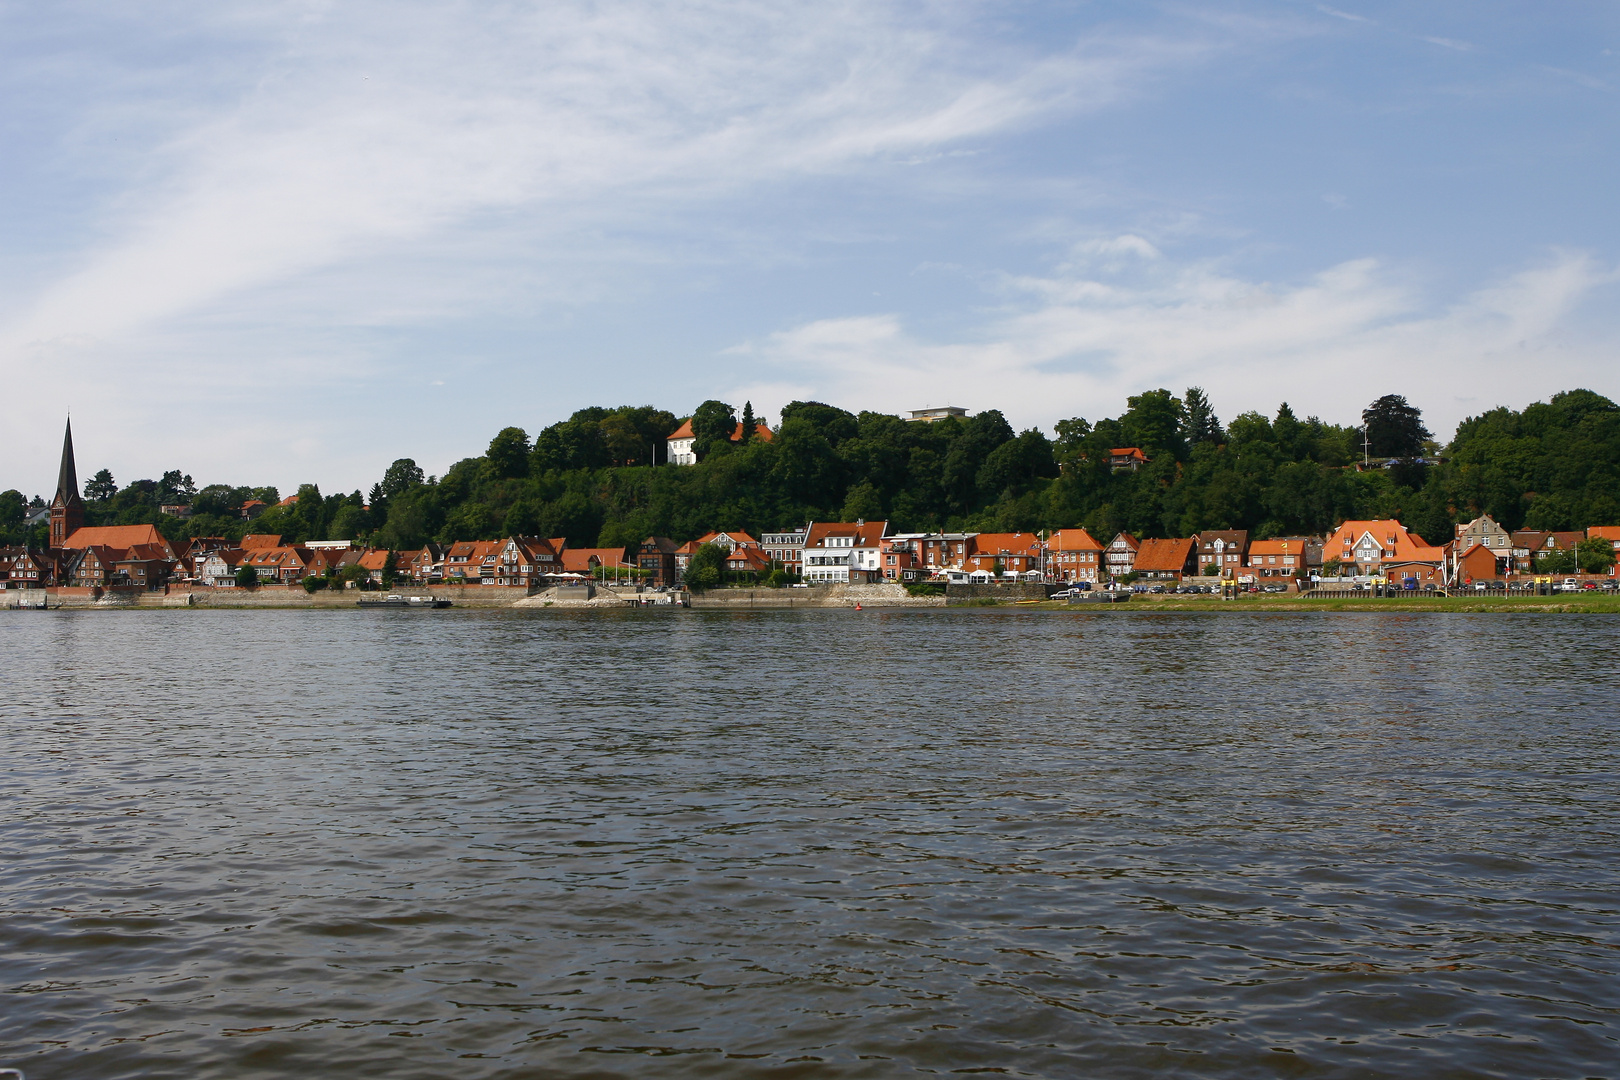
(395, 600)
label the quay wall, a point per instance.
(962, 594)
(816, 596)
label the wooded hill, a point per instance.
(598, 479)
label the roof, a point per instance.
(582, 560)
(662, 544)
(1128, 451)
(118, 536)
(863, 533)
(1238, 538)
(1282, 545)
(261, 540)
(760, 431)
(1130, 541)
(1019, 543)
(1165, 555)
(1391, 536)
(1603, 532)
(374, 560)
(1075, 539)
(736, 536)
(290, 500)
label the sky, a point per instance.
(289, 242)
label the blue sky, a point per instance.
(289, 242)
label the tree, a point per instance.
(1153, 422)
(174, 487)
(1562, 561)
(1594, 555)
(748, 422)
(401, 476)
(704, 569)
(390, 568)
(508, 453)
(1394, 428)
(1199, 423)
(712, 426)
(100, 487)
(246, 576)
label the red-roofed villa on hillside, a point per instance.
(680, 442)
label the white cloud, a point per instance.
(1079, 344)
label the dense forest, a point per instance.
(598, 479)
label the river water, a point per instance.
(808, 844)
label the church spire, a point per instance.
(67, 509)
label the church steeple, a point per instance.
(67, 509)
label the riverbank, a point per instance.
(1561, 603)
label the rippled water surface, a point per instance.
(808, 843)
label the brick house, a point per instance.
(1012, 553)
(1225, 549)
(1167, 560)
(1075, 555)
(656, 556)
(1481, 563)
(1278, 558)
(1365, 547)
(1611, 533)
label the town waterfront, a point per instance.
(505, 843)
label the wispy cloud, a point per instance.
(1078, 344)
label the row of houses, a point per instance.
(818, 553)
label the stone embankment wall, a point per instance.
(817, 596)
(294, 596)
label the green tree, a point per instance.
(704, 569)
(390, 569)
(1562, 561)
(748, 422)
(1394, 428)
(100, 487)
(246, 576)
(712, 426)
(1594, 555)
(1199, 423)
(508, 453)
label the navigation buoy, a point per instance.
(857, 605)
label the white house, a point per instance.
(837, 552)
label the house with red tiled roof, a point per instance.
(1282, 558)
(1126, 458)
(586, 561)
(466, 561)
(118, 536)
(1364, 547)
(730, 539)
(1481, 563)
(252, 509)
(656, 558)
(1005, 553)
(839, 552)
(747, 560)
(260, 540)
(680, 442)
(1167, 560)
(1075, 555)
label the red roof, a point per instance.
(1162, 556)
(117, 536)
(760, 431)
(1128, 451)
(253, 541)
(1076, 539)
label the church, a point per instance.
(91, 555)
